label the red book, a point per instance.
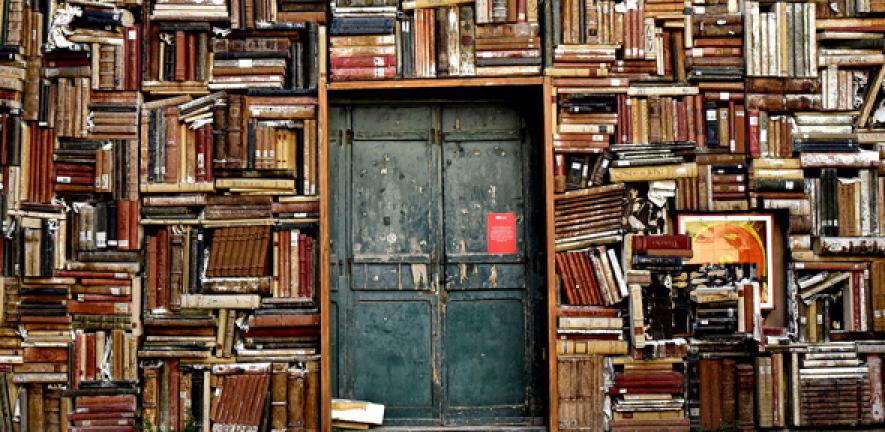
(89, 367)
(306, 287)
(122, 225)
(209, 152)
(174, 397)
(740, 130)
(45, 355)
(99, 416)
(365, 73)
(181, 52)
(153, 274)
(363, 61)
(83, 401)
(79, 345)
(191, 61)
(285, 251)
(753, 132)
(644, 243)
(98, 308)
(104, 282)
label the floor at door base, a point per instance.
(460, 429)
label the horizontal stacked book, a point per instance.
(429, 39)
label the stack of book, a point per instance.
(648, 395)
(266, 62)
(591, 278)
(833, 386)
(722, 182)
(585, 121)
(103, 412)
(505, 49)
(588, 216)
(362, 43)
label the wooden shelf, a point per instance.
(436, 83)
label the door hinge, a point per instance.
(436, 136)
(348, 136)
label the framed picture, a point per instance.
(733, 239)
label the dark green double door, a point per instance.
(430, 317)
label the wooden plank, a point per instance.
(325, 331)
(552, 390)
(434, 83)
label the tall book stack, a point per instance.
(153, 229)
(228, 156)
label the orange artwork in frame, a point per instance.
(741, 238)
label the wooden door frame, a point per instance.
(540, 134)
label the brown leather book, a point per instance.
(180, 56)
(235, 152)
(877, 270)
(173, 399)
(123, 225)
(312, 397)
(778, 102)
(746, 396)
(163, 268)
(848, 192)
(295, 389)
(278, 409)
(35, 408)
(740, 129)
(729, 391)
(172, 145)
(45, 355)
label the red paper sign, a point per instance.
(501, 233)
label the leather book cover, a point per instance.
(123, 220)
(740, 130)
(295, 389)
(312, 396)
(172, 398)
(729, 391)
(171, 166)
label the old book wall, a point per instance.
(716, 208)
(160, 210)
(392, 39)
(229, 146)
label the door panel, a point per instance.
(484, 338)
(394, 351)
(430, 323)
(487, 344)
(392, 218)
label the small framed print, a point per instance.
(741, 238)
